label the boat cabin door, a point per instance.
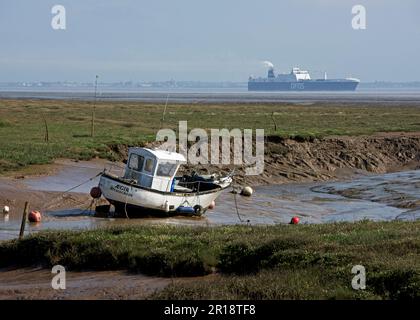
(140, 168)
(146, 178)
(165, 174)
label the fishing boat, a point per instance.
(150, 185)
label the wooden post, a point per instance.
(24, 217)
(274, 121)
(46, 136)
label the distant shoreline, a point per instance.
(216, 95)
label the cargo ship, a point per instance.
(299, 80)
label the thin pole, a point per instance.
(164, 111)
(92, 130)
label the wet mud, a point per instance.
(369, 196)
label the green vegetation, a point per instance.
(244, 262)
(22, 129)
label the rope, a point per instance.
(52, 201)
(90, 207)
(236, 206)
(125, 205)
(109, 163)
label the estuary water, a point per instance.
(392, 196)
(384, 97)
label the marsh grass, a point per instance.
(251, 262)
(127, 123)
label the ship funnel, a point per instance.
(268, 64)
(270, 69)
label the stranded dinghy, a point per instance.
(150, 185)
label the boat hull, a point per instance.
(307, 85)
(128, 197)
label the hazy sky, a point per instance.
(209, 40)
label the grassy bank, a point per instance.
(264, 262)
(22, 129)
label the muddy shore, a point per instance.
(286, 161)
(35, 283)
(333, 157)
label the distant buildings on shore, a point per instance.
(125, 84)
(175, 84)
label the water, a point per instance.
(377, 197)
(217, 95)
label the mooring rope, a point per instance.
(52, 201)
(234, 191)
(126, 200)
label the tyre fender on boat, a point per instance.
(198, 210)
(95, 192)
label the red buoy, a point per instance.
(95, 192)
(295, 220)
(34, 216)
(212, 205)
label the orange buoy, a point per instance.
(212, 205)
(34, 216)
(95, 192)
(295, 220)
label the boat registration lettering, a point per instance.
(122, 189)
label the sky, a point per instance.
(207, 40)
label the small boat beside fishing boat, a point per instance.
(150, 185)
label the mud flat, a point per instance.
(221, 95)
(329, 180)
(35, 283)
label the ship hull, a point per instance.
(309, 85)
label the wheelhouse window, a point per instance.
(149, 165)
(136, 162)
(166, 169)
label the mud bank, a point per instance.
(309, 159)
(303, 160)
(35, 283)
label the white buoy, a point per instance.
(247, 191)
(6, 209)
